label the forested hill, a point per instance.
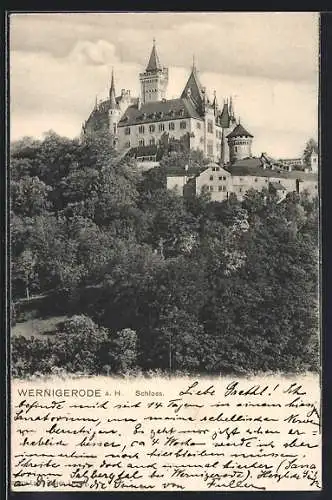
(156, 281)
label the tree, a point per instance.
(29, 196)
(125, 351)
(311, 146)
(24, 270)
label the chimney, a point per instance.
(139, 103)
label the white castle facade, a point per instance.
(150, 120)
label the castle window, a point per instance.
(220, 188)
(211, 177)
(127, 131)
(161, 127)
(235, 149)
(256, 179)
(152, 141)
(183, 125)
(141, 129)
(211, 188)
(224, 188)
(240, 190)
(210, 127)
(141, 142)
(171, 126)
(152, 128)
(210, 149)
(198, 125)
(201, 140)
(127, 145)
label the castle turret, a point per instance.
(154, 80)
(239, 142)
(114, 113)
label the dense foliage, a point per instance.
(155, 281)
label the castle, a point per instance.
(151, 119)
(149, 123)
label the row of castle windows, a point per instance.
(221, 178)
(161, 127)
(220, 188)
(242, 143)
(171, 126)
(152, 142)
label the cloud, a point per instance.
(95, 54)
(56, 71)
(272, 45)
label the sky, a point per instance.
(268, 62)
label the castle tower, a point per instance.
(114, 113)
(154, 80)
(239, 142)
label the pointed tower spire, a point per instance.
(215, 102)
(113, 104)
(154, 63)
(194, 86)
(231, 107)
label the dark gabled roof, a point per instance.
(159, 111)
(196, 89)
(224, 118)
(247, 163)
(239, 131)
(277, 186)
(144, 151)
(252, 166)
(154, 63)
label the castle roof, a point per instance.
(164, 110)
(224, 117)
(239, 131)
(154, 63)
(254, 167)
(196, 89)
